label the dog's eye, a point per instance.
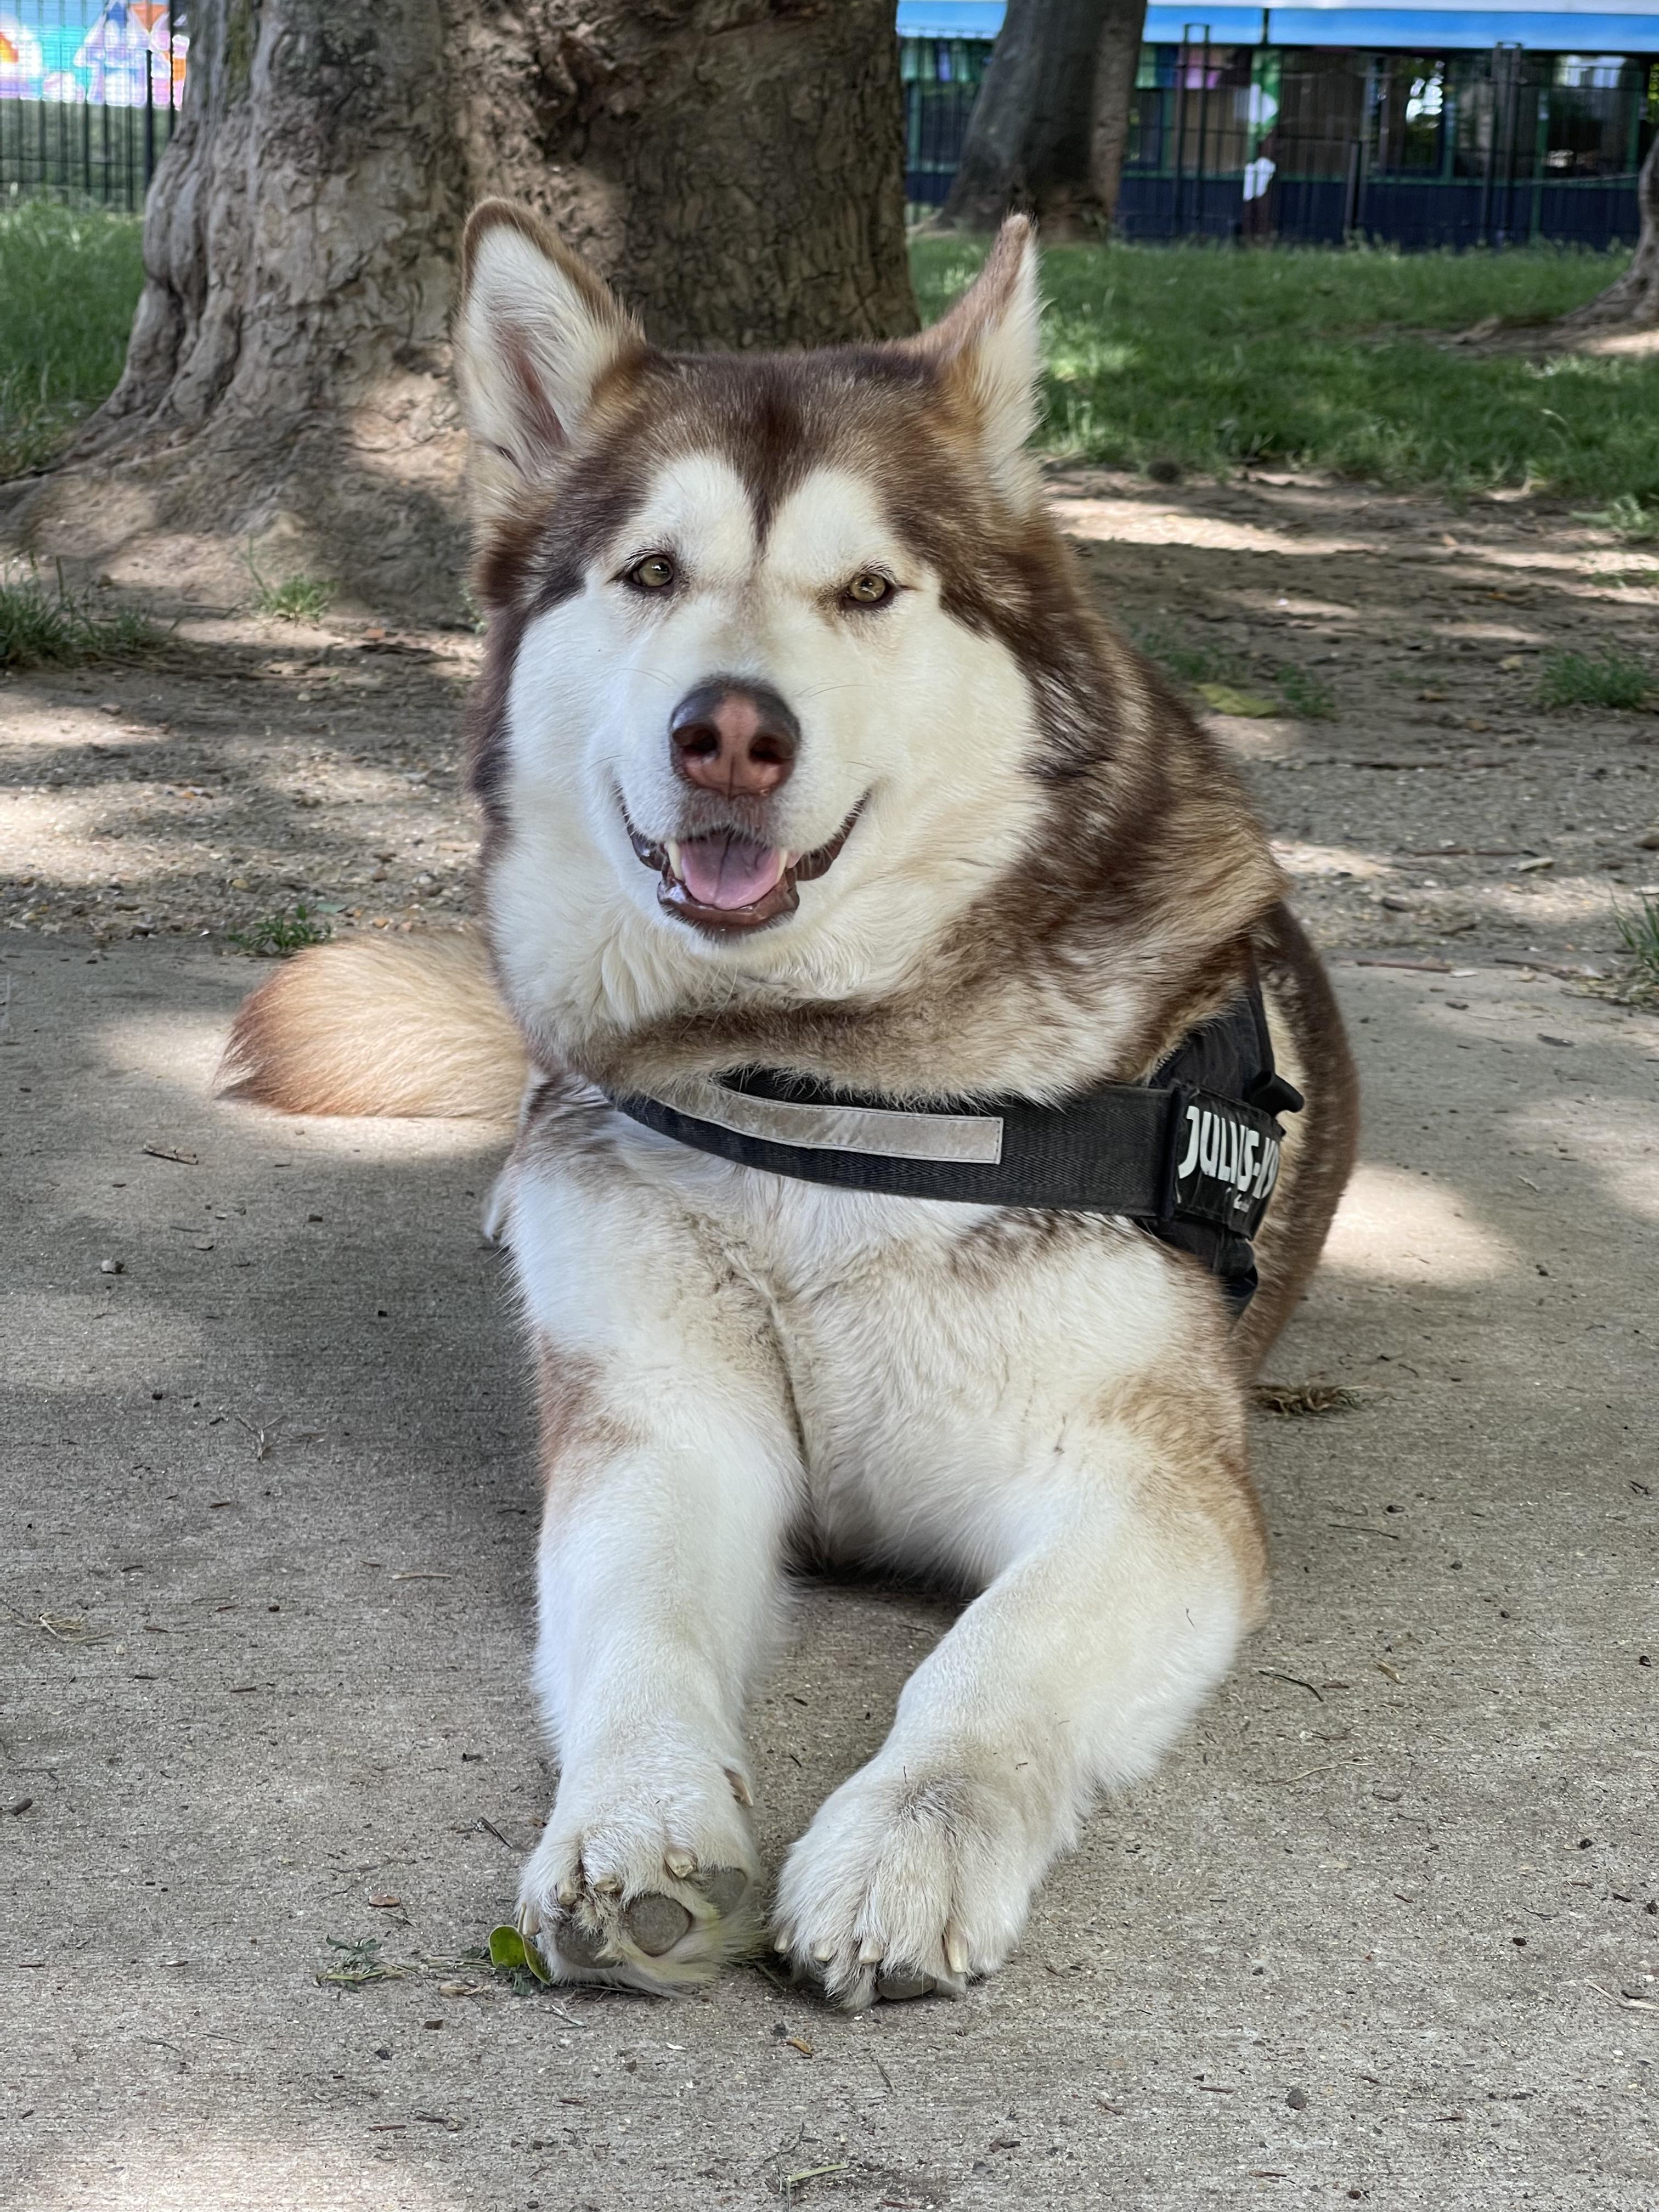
(654, 573)
(869, 589)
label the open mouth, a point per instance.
(727, 879)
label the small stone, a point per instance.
(1648, 839)
(112, 1266)
(1298, 2101)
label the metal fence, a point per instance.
(89, 95)
(1320, 145)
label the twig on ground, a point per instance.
(1273, 1675)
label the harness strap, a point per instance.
(1192, 1156)
(1155, 1154)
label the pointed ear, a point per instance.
(988, 351)
(537, 335)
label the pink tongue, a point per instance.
(727, 871)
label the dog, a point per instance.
(810, 778)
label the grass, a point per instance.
(69, 279)
(1178, 356)
(276, 935)
(1627, 518)
(1322, 360)
(1639, 931)
(296, 598)
(47, 623)
(1609, 678)
(1229, 685)
(1308, 699)
(355, 1964)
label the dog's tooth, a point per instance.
(674, 857)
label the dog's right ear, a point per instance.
(537, 337)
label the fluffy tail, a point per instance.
(377, 1025)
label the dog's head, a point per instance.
(755, 686)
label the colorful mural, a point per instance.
(124, 53)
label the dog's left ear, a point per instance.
(988, 350)
(537, 337)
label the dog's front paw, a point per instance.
(648, 1880)
(908, 1883)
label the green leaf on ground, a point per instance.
(1226, 699)
(510, 1954)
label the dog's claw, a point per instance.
(871, 1951)
(741, 1788)
(680, 1863)
(956, 1952)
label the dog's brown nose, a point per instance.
(739, 739)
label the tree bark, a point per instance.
(735, 167)
(1117, 62)
(1050, 129)
(1632, 301)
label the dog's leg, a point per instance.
(670, 1469)
(1123, 1578)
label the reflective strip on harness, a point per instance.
(975, 1137)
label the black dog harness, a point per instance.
(1191, 1155)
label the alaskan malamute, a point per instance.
(877, 952)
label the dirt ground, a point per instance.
(1385, 1929)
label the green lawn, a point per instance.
(69, 282)
(1200, 355)
(1211, 357)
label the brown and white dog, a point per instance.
(800, 746)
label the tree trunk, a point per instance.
(735, 167)
(1049, 127)
(1117, 62)
(1632, 300)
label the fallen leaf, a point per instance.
(1226, 699)
(508, 1950)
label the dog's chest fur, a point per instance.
(933, 1352)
